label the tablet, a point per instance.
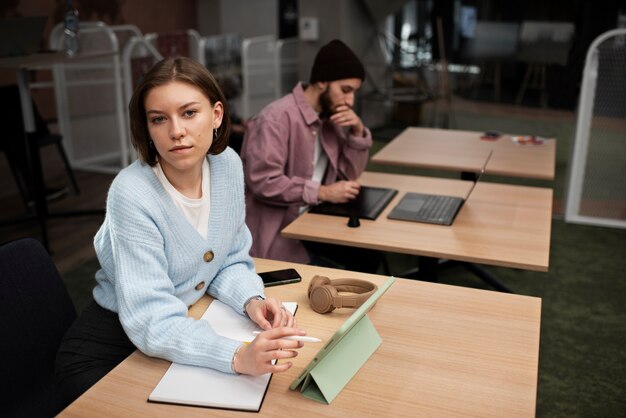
(342, 332)
(369, 203)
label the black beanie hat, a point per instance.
(336, 61)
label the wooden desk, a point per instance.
(501, 225)
(464, 151)
(446, 351)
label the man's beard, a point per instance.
(326, 105)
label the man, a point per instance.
(307, 147)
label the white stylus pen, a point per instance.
(296, 338)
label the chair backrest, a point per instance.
(36, 311)
(286, 66)
(138, 57)
(258, 72)
(89, 97)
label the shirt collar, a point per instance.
(308, 113)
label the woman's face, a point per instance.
(181, 120)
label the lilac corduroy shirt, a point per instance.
(277, 154)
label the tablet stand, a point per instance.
(334, 371)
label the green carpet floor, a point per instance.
(582, 361)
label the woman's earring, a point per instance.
(151, 144)
(214, 133)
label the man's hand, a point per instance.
(339, 192)
(345, 116)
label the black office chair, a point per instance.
(12, 141)
(36, 311)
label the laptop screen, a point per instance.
(482, 171)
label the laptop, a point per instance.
(432, 208)
(369, 203)
(21, 35)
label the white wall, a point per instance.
(249, 18)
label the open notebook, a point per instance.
(367, 205)
(432, 208)
(200, 386)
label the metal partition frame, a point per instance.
(580, 158)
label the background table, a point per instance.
(500, 224)
(464, 151)
(22, 64)
(446, 351)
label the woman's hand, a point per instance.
(270, 313)
(256, 358)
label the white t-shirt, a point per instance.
(196, 211)
(320, 163)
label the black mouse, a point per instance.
(353, 222)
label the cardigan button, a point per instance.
(200, 286)
(209, 256)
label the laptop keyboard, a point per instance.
(433, 209)
(437, 207)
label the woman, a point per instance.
(174, 230)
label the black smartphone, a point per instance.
(276, 277)
(491, 135)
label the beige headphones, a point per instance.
(324, 293)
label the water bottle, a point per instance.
(71, 27)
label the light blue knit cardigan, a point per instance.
(152, 261)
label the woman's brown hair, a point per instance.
(181, 69)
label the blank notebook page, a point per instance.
(200, 386)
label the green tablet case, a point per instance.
(344, 354)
